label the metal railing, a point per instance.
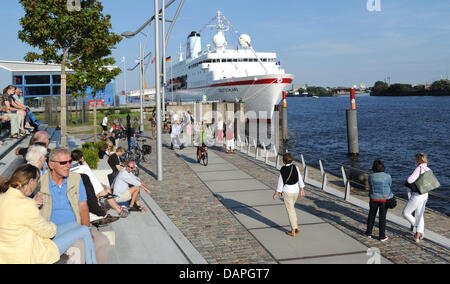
(346, 170)
(265, 154)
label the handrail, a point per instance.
(344, 166)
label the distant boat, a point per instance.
(305, 94)
(316, 97)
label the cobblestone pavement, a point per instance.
(200, 216)
(350, 219)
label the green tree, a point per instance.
(380, 88)
(66, 36)
(400, 90)
(441, 86)
(99, 75)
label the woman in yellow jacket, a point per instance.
(25, 236)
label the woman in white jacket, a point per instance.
(417, 201)
(291, 185)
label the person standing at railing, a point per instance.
(417, 201)
(229, 137)
(290, 184)
(379, 191)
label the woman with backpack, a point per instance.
(291, 185)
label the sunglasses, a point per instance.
(62, 163)
(131, 167)
(41, 144)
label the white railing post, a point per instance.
(305, 168)
(266, 154)
(256, 149)
(346, 184)
(324, 175)
(277, 160)
(238, 142)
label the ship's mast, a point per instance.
(181, 54)
(220, 25)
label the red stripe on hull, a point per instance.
(248, 82)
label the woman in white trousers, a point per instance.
(417, 201)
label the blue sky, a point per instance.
(326, 43)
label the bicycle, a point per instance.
(202, 155)
(138, 153)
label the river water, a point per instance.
(392, 129)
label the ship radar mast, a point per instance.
(219, 39)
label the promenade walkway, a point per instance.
(227, 212)
(224, 214)
(251, 203)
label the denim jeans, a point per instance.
(67, 234)
(374, 206)
(131, 143)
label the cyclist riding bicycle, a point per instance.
(202, 142)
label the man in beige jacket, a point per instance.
(60, 192)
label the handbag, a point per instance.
(427, 182)
(391, 203)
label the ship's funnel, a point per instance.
(194, 45)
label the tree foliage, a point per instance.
(438, 88)
(441, 86)
(77, 39)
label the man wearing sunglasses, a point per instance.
(127, 186)
(64, 200)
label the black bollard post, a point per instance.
(352, 126)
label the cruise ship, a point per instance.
(229, 74)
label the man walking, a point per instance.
(175, 136)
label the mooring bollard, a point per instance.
(352, 126)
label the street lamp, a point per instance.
(158, 72)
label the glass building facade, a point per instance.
(39, 80)
(37, 86)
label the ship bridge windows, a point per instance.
(230, 60)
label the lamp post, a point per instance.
(163, 18)
(158, 95)
(141, 86)
(159, 116)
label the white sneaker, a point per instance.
(385, 239)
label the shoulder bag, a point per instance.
(391, 203)
(427, 182)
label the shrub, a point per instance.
(90, 153)
(125, 111)
(90, 156)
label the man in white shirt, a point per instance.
(175, 136)
(101, 191)
(127, 186)
(105, 125)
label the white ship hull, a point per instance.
(231, 75)
(260, 94)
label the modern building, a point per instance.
(39, 80)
